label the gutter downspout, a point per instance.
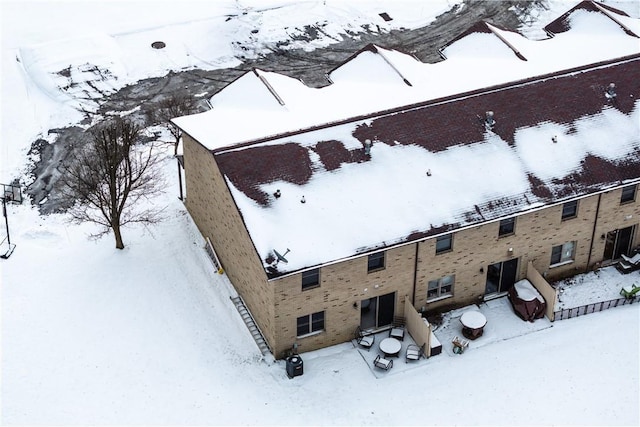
(181, 196)
(593, 233)
(415, 275)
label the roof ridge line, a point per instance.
(268, 86)
(436, 101)
(494, 29)
(379, 52)
(609, 15)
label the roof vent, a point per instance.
(489, 121)
(611, 91)
(367, 147)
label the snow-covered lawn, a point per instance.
(600, 285)
(92, 335)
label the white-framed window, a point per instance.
(310, 323)
(563, 253)
(441, 287)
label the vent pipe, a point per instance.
(611, 91)
(489, 121)
(367, 147)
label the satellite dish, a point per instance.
(281, 256)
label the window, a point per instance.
(376, 261)
(507, 227)
(440, 288)
(563, 253)
(570, 210)
(311, 279)
(444, 243)
(628, 194)
(310, 323)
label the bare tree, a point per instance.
(110, 177)
(175, 105)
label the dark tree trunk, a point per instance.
(110, 176)
(118, 236)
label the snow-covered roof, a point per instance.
(435, 165)
(375, 80)
(619, 17)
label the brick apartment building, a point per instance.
(434, 185)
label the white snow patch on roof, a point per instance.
(394, 191)
(609, 134)
(369, 67)
(249, 92)
(631, 23)
(593, 38)
(378, 203)
(485, 46)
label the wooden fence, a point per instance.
(568, 313)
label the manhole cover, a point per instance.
(158, 45)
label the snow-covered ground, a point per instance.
(148, 335)
(60, 56)
(600, 285)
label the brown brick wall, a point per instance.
(277, 304)
(535, 235)
(614, 216)
(214, 212)
(341, 285)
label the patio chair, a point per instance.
(459, 345)
(414, 352)
(397, 328)
(382, 363)
(630, 291)
(364, 340)
(628, 264)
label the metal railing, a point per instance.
(595, 307)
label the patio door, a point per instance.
(618, 242)
(501, 276)
(377, 312)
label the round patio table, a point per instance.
(473, 323)
(390, 347)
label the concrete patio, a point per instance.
(502, 324)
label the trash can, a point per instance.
(294, 366)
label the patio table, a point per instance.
(390, 347)
(473, 323)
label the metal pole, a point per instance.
(6, 219)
